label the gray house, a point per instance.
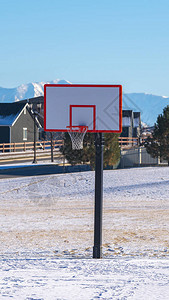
(131, 124)
(17, 123)
(136, 124)
(127, 123)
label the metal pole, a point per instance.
(51, 139)
(97, 249)
(35, 160)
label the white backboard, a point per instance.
(97, 106)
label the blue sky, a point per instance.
(124, 42)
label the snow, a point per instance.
(46, 236)
(26, 91)
(84, 279)
(144, 124)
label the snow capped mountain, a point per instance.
(149, 105)
(25, 91)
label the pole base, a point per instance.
(97, 252)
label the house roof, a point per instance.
(37, 100)
(137, 114)
(127, 113)
(9, 112)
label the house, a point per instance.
(131, 124)
(127, 123)
(131, 121)
(136, 124)
(17, 123)
(36, 104)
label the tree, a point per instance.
(158, 144)
(87, 154)
(73, 156)
(111, 149)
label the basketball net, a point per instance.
(77, 134)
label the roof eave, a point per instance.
(26, 104)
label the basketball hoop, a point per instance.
(77, 134)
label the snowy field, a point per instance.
(46, 238)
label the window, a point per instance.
(39, 107)
(24, 134)
(126, 122)
(136, 122)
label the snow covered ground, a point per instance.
(46, 239)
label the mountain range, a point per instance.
(149, 105)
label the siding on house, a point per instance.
(127, 123)
(36, 104)
(137, 124)
(24, 121)
(15, 120)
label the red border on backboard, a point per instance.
(85, 85)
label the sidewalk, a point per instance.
(25, 165)
(30, 169)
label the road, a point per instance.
(41, 169)
(34, 170)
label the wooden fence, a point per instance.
(124, 142)
(29, 146)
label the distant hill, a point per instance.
(149, 105)
(25, 91)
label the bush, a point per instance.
(87, 154)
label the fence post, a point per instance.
(51, 145)
(121, 160)
(158, 160)
(139, 156)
